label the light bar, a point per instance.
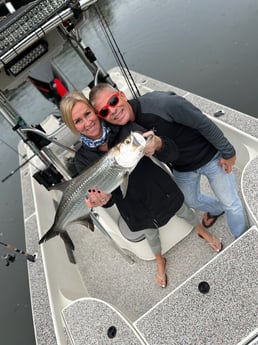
(20, 24)
(25, 59)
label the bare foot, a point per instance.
(214, 242)
(208, 220)
(161, 277)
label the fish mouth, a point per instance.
(139, 140)
(129, 156)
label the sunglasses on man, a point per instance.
(112, 102)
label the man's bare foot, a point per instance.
(208, 219)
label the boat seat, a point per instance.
(133, 236)
(112, 224)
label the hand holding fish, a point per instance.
(154, 144)
(96, 197)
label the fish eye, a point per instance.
(127, 141)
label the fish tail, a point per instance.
(48, 235)
(69, 246)
(63, 234)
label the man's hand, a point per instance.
(227, 164)
(154, 144)
(96, 197)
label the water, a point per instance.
(209, 48)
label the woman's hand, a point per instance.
(96, 197)
(153, 144)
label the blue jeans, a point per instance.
(224, 187)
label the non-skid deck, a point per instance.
(101, 271)
(132, 287)
(224, 314)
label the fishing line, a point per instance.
(117, 54)
(12, 148)
(108, 32)
(18, 153)
(22, 156)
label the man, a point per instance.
(202, 146)
(151, 199)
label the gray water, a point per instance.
(209, 48)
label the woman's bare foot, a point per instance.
(214, 242)
(161, 276)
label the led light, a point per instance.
(27, 58)
(23, 23)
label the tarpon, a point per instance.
(108, 173)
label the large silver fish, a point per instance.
(108, 173)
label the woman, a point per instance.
(150, 190)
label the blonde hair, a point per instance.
(66, 106)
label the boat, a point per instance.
(109, 295)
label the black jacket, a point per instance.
(152, 196)
(197, 138)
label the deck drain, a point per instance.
(111, 332)
(204, 287)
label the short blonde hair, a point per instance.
(66, 106)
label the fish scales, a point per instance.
(101, 176)
(106, 174)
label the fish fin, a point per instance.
(69, 246)
(67, 240)
(84, 221)
(48, 235)
(56, 203)
(124, 184)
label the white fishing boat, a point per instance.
(109, 296)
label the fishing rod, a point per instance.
(8, 258)
(18, 168)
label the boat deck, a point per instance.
(131, 287)
(103, 273)
(224, 315)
